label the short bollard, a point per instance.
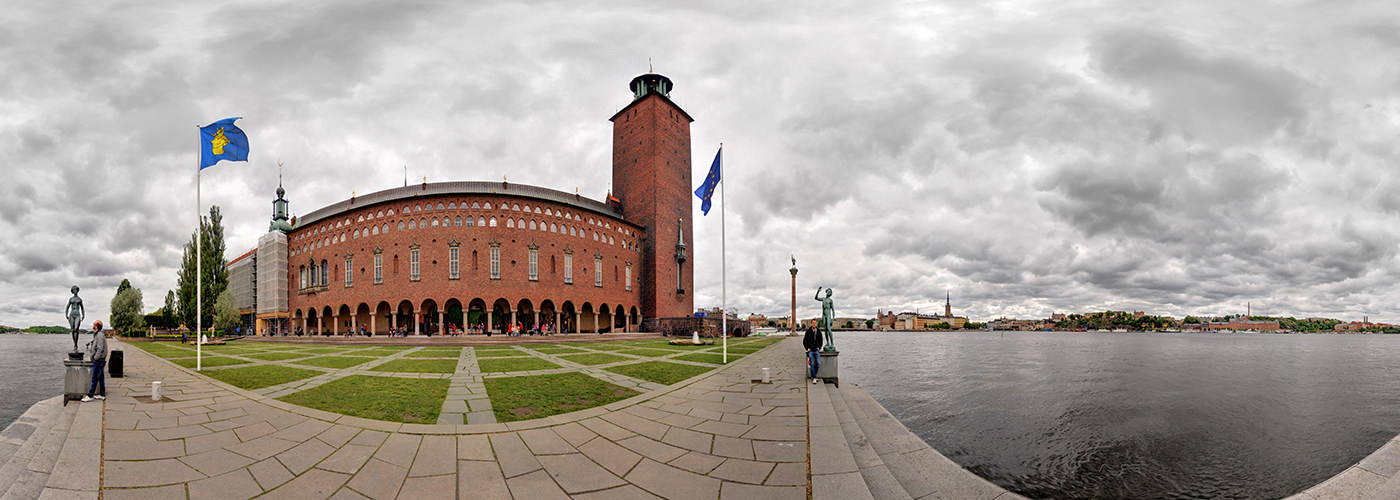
(767, 379)
(155, 390)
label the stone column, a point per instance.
(320, 324)
(489, 320)
(417, 322)
(442, 325)
(535, 319)
(792, 320)
(354, 323)
(373, 317)
(556, 321)
(512, 320)
(578, 322)
(595, 322)
(394, 319)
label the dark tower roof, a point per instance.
(650, 84)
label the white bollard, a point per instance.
(766, 378)
(155, 391)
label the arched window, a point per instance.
(537, 209)
(412, 224)
(435, 222)
(470, 221)
(325, 274)
(391, 211)
(610, 241)
(510, 223)
(386, 228)
(552, 227)
(381, 212)
(451, 205)
(406, 209)
(515, 207)
(374, 230)
(595, 236)
(487, 206)
(457, 221)
(527, 207)
(362, 218)
(439, 205)
(532, 224)
(481, 221)
(572, 232)
(419, 208)
(547, 212)
(476, 205)
(401, 225)
(492, 223)
(356, 234)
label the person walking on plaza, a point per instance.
(98, 350)
(812, 342)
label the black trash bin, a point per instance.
(114, 364)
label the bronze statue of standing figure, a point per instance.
(74, 311)
(828, 316)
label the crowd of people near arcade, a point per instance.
(517, 329)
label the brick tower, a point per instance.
(651, 178)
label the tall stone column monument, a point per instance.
(792, 319)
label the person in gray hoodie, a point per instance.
(98, 350)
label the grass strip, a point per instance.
(499, 353)
(394, 399)
(556, 349)
(660, 372)
(208, 361)
(607, 346)
(336, 362)
(597, 358)
(377, 351)
(650, 353)
(325, 350)
(276, 356)
(418, 366)
(709, 357)
(454, 354)
(539, 396)
(491, 365)
(260, 376)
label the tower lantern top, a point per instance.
(650, 83)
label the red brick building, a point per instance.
(438, 257)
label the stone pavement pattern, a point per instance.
(717, 436)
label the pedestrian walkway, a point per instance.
(719, 435)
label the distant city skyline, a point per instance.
(1031, 157)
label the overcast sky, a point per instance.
(1029, 156)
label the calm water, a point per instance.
(1138, 415)
(31, 368)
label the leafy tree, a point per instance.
(215, 279)
(169, 310)
(225, 313)
(850, 324)
(870, 323)
(126, 285)
(127, 312)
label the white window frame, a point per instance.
(413, 265)
(568, 269)
(598, 272)
(349, 272)
(378, 268)
(534, 265)
(452, 268)
(495, 263)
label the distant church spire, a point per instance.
(279, 207)
(948, 306)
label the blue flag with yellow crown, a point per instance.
(707, 189)
(222, 140)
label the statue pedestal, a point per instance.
(827, 371)
(77, 374)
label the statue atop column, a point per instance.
(828, 316)
(74, 311)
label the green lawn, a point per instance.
(499, 353)
(260, 376)
(336, 362)
(660, 372)
(379, 351)
(650, 353)
(556, 349)
(418, 366)
(514, 364)
(393, 399)
(608, 346)
(325, 350)
(709, 357)
(453, 353)
(276, 356)
(597, 358)
(525, 398)
(209, 361)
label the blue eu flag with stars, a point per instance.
(707, 189)
(222, 140)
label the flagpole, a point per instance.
(723, 283)
(198, 264)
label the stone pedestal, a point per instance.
(77, 375)
(828, 368)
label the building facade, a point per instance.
(449, 257)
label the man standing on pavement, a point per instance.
(812, 342)
(98, 350)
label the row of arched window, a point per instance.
(457, 221)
